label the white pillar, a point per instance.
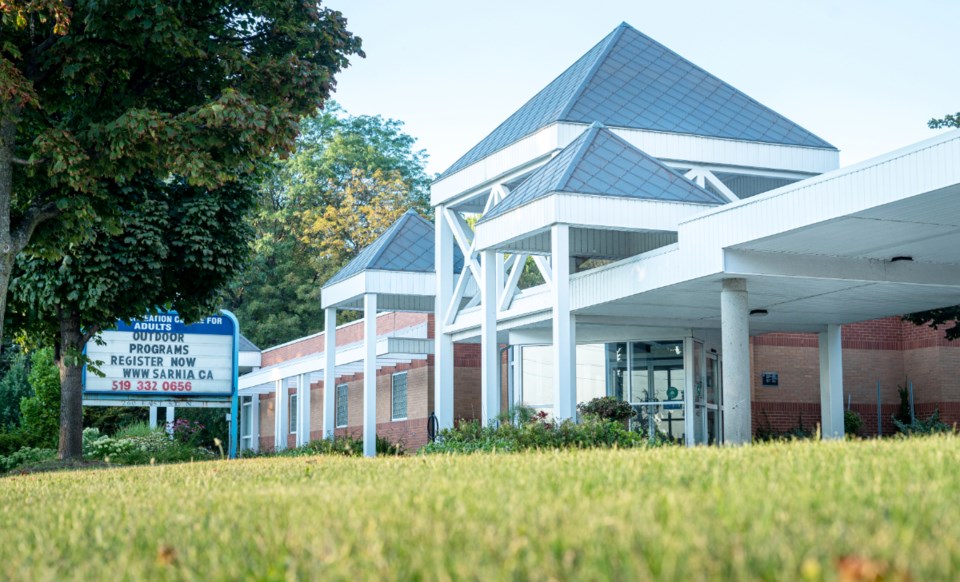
(171, 416)
(689, 387)
(443, 348)
(303, 409)
(281, 418)
(489, 348)
(564, 327)
(370, 375)
(153, 417)
(735, 329)
(831, 383)
(255, 422)
(329, 371)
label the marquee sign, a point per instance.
(160, 356)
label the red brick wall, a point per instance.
(889, 350)
(349, 334)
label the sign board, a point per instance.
(160, 356)
(770, 379)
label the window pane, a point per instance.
(399, 396)
(591, 373)
(341, 405)
(537, 386)
(292, 414)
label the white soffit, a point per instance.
(344, 294)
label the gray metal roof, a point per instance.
(603, 164)
(247, 345)
(630, 80)
(408, 245)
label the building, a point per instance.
(701, 256)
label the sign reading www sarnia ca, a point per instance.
(159, 355)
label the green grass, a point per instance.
(774, 512)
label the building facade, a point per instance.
(699, 255)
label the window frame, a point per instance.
(292, 413)
(406, 391)
(345, 398)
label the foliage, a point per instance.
(185, 431)
(922, 427)
(14, 387)
(93, 96)
(779, 511)
(40, 413)
(904, 414)
(852, 422)
(25, 456)
(766, 433)
(346, 446)
(348, 180)
(139, 446)
(607, 408)
(11, 442)
(935, 318)
(111, 419)
(537, 433)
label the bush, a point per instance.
(852, 422)
(40, 413)
(11, 442)
(607, 408)
(538, 433)
(25, 456)
(346, 446)
(931, 425)
(136, 446)
(14, 387)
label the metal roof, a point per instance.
(630, 80)
(408, 245)
(603, 164)
(247, 345)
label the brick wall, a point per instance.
(889, 350)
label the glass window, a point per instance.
(537, 385)
(398, 397)
(656, 387)
(341, 405)
(292, 414)
(246, 430)
(591, 376)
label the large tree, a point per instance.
(936, 318)
(176, 246)
(348, 180)
(94, 94)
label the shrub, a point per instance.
(607, 408)
(14, 387)
(346, 446)
(40, 413)
(852, 422)
(11, 442)
(931, 425)
(136, 446)
(538, 433)
(25, 456)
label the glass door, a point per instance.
(655, 388)
(713, 401)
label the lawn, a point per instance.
(778, 511)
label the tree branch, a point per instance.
(88, 334)
(23, 162)
(39, 212)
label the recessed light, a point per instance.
(758, 313)
(899, 258)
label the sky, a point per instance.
(865, 75)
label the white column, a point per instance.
(370, 375)
(171, 414)
(831, 383)
(443, 348)
(735, 329)
(489, 349)
(303, 409)
(153, 417)
(564, 327)
(281, 415)
(329, 371)
(255, 422)
(689, 387)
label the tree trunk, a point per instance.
(71, 386)
(8, 134)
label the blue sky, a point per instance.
(865, 75)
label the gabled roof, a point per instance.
(408, 245)
(247, 345)
(630, 80)
(603, 164)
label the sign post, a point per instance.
(158, 360)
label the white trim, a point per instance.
(405, 396)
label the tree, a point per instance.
(40, 412)
(13, 388)
(95, 94)
(348, 180)
(177, 246)
(945, 315)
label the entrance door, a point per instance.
(714, 401)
